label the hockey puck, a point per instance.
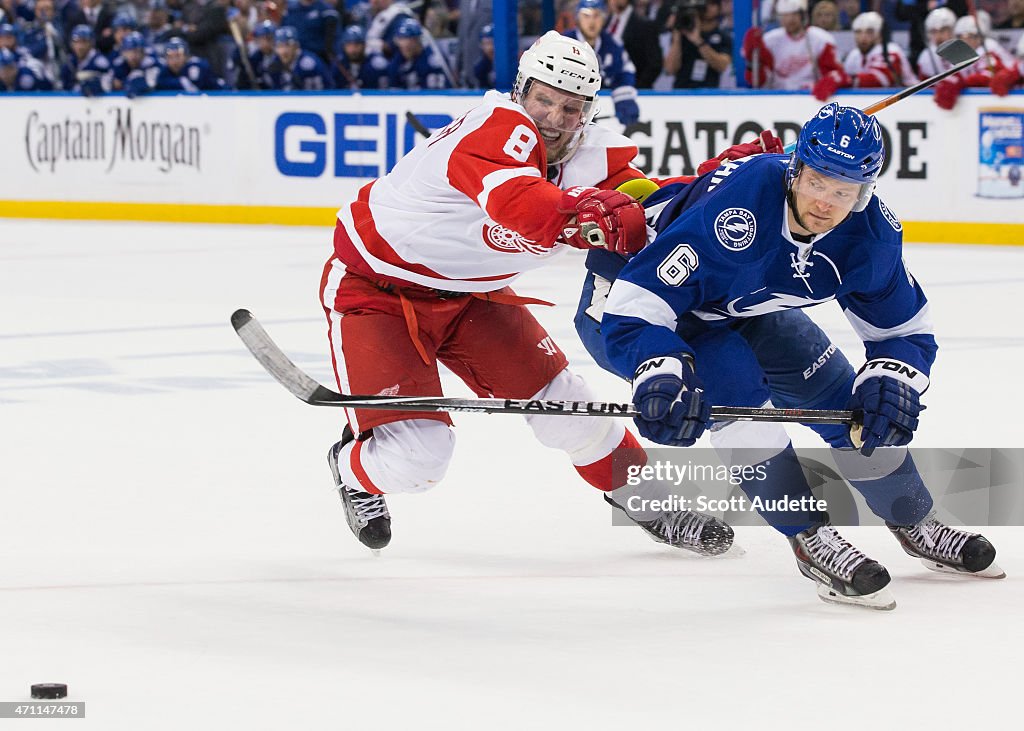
(49, 690)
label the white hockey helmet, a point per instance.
(1020, 46)
(868, 21)
(940, 18)
(561, 62)
(782, 7)
(968, 26)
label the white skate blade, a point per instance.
(992, 572)
(881, 599)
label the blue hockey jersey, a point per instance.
(91, 76)
(196, 75)
(423, 72)
(723, 252)
(307, 73)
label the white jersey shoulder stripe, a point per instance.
(919, 324)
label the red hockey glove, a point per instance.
(1003, 81)
(826, 86)
(603, 219)
(947, 92)
(767, 142)
(753, 39)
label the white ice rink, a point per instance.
(172, 549)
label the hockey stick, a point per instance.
(416, 124)
(309, 391)
(243, 52)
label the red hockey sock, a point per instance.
(601, 474)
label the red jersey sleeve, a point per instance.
(501, 165)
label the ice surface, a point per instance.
(171, 548)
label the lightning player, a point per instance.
(420, 273)
(86, 70)
(703, 315)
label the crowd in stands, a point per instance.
(94, 47)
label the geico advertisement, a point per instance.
(315, 151)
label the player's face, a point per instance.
(133, 56)
(175, 60)
(940, 35)
(81, 48)
(286, 52)
(865, 38)
(792, 22)
(825, 15)
(822, 202)
(355, 51)
(558, 114)
(265, 44)
(972, 39)
(8, 74)
(8, 42)
(590, 22)
(409, 47)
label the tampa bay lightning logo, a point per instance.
(735, 228)
(890, 216)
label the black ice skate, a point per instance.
(843, 574)
(948, 550)
(689, 529)
(367, 514)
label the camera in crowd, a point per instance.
(687, 14)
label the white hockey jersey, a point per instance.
(871, 70)
(470, 208)
(797, 62)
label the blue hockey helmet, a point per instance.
(843, 143)
(82, 33)
(409, 28)
(264, 28)
(124, 20)
(598, 5)
(7, 58)
(487, 31)
(133, 41)
(353, 34)
(176, 44)
(286, 34)
(6, 29)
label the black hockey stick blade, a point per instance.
(275, 362)
(417, 125)
(309, 391)
(956, 51)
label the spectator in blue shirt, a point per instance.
(316, 24)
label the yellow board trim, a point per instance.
(168, 212)
(942, 232)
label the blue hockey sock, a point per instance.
(889, 482)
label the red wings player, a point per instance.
(422, 262)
